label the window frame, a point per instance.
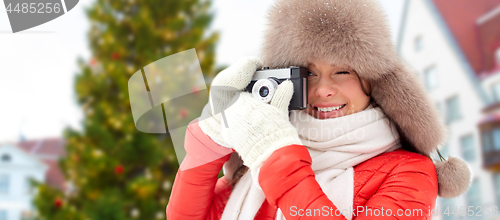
(4, 184)
(496, 183)
(431, 77)
(495, 142)
(468, 152)
(5, 158)
(453, 117)
(487, 141)
(474, 196)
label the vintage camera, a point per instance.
(265, 82)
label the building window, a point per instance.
(3, 214)
(496, 181)
(452, 109)
(28, 186)
(431, 78)
(474, 194)
(419, 43)
(496, 139)
(447, 206)
(496, 91)
(467, 144)
(5, 158)
(4, 184)
(486, 142)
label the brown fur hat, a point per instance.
(355, 33)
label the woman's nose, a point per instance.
(326, 90)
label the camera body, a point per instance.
(265, 82)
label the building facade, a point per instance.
(442, 41)
(24, 161)
(16, 169)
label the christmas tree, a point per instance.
(116, 171)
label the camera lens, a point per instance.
(264, 91)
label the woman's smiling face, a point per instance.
(334, 91)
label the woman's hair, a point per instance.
(238, 173)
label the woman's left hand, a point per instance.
(255, 129)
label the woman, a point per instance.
(361, 149)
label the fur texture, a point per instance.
(403, 99)
(454, 177)
(355, 34)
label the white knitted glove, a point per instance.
(225, 86)
(257, 129)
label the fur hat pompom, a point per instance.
(454, 177)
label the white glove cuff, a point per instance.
(265, 147)
(211, 127)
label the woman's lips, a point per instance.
(329, 114)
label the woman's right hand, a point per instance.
(227, 84)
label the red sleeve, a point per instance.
(409, 192)
(196, 193)
(290, 168)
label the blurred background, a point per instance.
(68, 145)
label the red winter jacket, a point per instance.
(393, 185)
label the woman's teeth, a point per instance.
(327, 109)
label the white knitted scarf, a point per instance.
(335, 146)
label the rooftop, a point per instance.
(475, 27)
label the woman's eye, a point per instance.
(310, 74)
(343, 72)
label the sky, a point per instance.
(39, 64)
